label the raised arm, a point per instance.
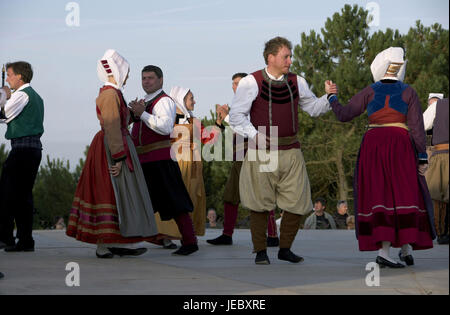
(309, 102)
(356, 106)
(163, 118)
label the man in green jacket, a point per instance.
(23, 113)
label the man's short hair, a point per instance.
(274, 45)
(321, 200)
(155, 69)
(23, 68)
(341, 202)
(239, 75)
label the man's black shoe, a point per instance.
(21, 247)
(386, 263)
(221, 240)
(186, 250)
(409, 260)
(288, 255)
(127, 251)
(262, 258)
(1, 275)
(6, 244)
(443, 240)
(273, 242)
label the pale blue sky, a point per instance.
(199, 44)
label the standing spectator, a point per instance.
(320, 220)
(341, 215)
(350, 222)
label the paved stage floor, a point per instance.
(333, 265)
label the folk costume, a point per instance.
(232, 198)
(392, 202)
(273, 102)
(188, 154)
(24, 115)
(151, 135)
(112, 211)
(436, 118)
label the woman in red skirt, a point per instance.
(392, 201)
(112, 207)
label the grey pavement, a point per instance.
(333, 265)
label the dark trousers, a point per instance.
(16, 194)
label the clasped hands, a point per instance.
(137, 107)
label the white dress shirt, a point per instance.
(164, 112)
(14, 106)
(247, 92)
(429, 115)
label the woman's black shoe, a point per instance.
(127, 251)
(105, 256)
(386, 263)
(262, 258)
(409, 260)
(186, 250)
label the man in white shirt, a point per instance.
(23, 113)
(154, 121)
(270, 97)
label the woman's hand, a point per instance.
(115, 169)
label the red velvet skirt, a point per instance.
(93, 217)
(390, 202)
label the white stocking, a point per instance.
(384, 252)
(405, 250)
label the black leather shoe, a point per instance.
(105, 256)
(409, 260)
(7, 244)
(127, 251)
(221, 240)
(262, 258)
(1, 275)
(273, 242)
(21, 247)
(443, 240)
(288, 255)
(169, 245)
(186, 250)
(386, 263)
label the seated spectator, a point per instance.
(320, 220)
(341, 215)
(351, 222)
(212, 218)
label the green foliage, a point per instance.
(53, 192)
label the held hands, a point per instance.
(137, 107)
(422, 169)
(331, 88)
(115, 169)
(7, 91)
(222, 112)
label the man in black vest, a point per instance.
(436, 117)
(24, 115)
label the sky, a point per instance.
(199, 44)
